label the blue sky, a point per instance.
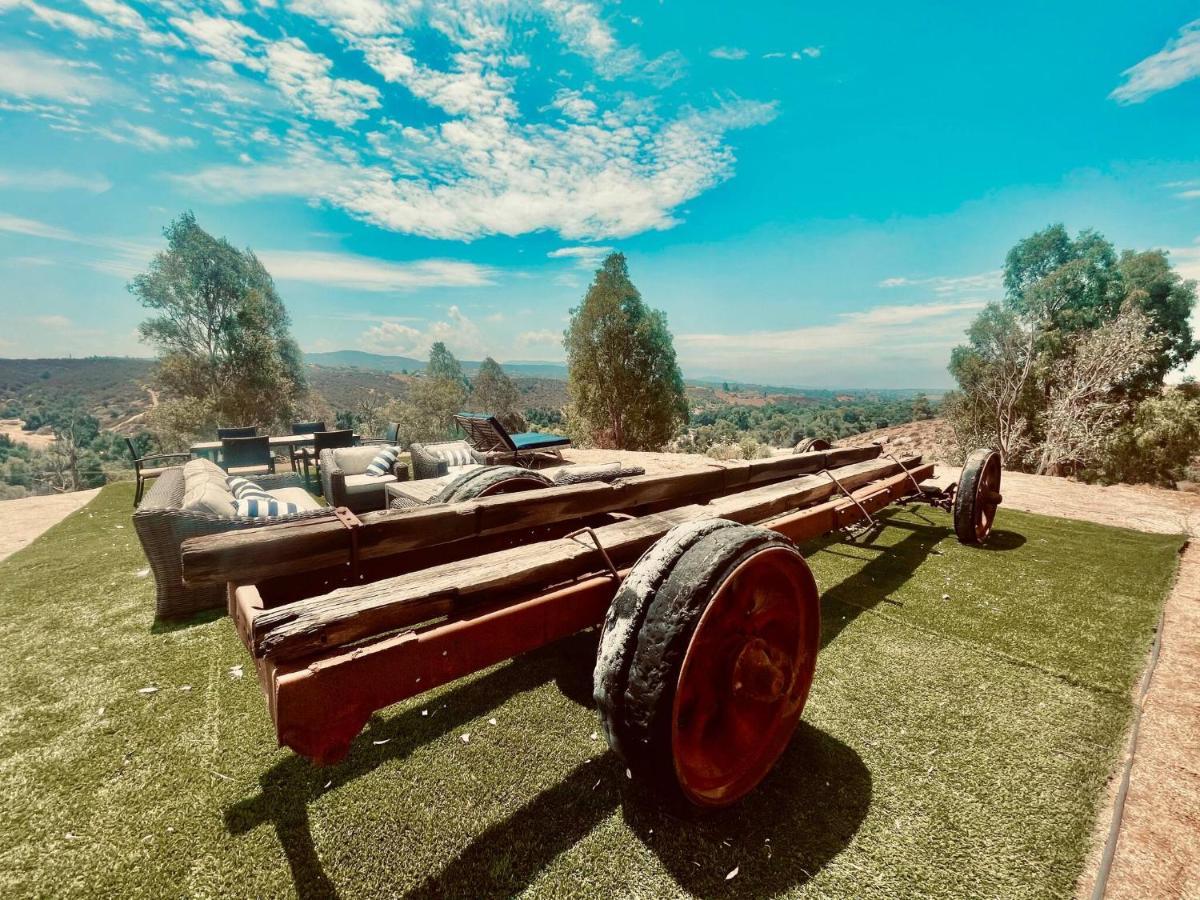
(814, 195)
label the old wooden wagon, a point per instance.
(710, 616)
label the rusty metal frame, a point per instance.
(319, 705)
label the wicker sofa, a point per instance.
(344, 481)
(433, 460)
(162, 525)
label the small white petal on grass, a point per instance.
(945, 596)
(466, 738)
(71, 837)
(593, 737)
(100, 711)
(732, 875)
(151, 689)
(424, 712)
(491, 721)
(596, 785)
(628, 774)
(382, 741)
(185, 687)
(236, 671)
(142, 573)
(329, 782)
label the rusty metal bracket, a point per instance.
(871, 523)
(575, 535)
(353, 523)
(903, 468)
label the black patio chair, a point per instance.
(296, 457)
(240, 431)
(146, 467)
(325, 440)
(391, 436)
(247, 455)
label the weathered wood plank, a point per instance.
(348, 614)
(259, 553)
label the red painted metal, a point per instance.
(745, 677)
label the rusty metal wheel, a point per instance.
(706, 660)
(977, 497)
(811, 445)
(489, 480)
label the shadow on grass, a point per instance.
(895, 564)
(166, 626)
(783, 834)
(288, 787)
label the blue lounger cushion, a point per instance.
(532, 440)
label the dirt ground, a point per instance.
(13, 429)
(22, 521)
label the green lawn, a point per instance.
(952, 747)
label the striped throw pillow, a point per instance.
(383, 462)
(245, 489)
(257, 508)
(457, 454)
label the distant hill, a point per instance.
(378, 362)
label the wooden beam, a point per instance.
(255, 554)
(349, 614)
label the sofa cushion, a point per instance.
(297, 496)
(353, 460)
(367, 484)
(208, 496)
(201, 465)
(383, 461)
(455, 453)
(256, 508)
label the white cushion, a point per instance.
(297, 496)
(453, 471)
(201, 465)
(206, 496)
(255, 508)
(456, 453)
(367, 484)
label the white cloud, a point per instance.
(54, 321)
(81, 26)
(467, 178)
(730, 53)
(943, 285)
(574, 105)
(33, 75)
(224, 39)
(303, 77)
(895, 338)
(588, 257)
(143, 137)
(1177, 62)
(542, 340)
(368, 274)
(1186, 260)
(53, 180)
(802, 54)
(34, 228)
(458, 332)
(124, 17)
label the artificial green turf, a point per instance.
(951, 747)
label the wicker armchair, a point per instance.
(162, 526)
(427, 463)
(344, 481)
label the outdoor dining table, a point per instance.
(212, 449)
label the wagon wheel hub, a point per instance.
(761, 672)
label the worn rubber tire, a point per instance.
(966, 496)
(811, 445)
(646, 635)
(490, 480)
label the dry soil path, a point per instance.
(22, 521)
